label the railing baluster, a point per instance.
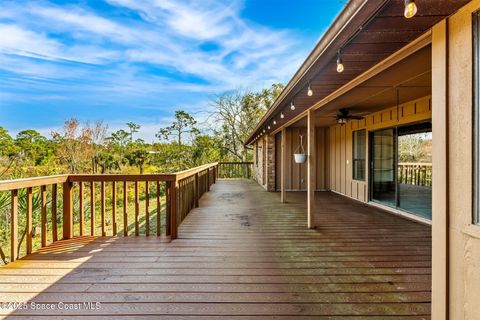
(102, 207)
(137, 209)
(29, 219)
(92, 208)
(43, 218)
(114, 208)
(80, 204)
(159, 211)
(67, 210)
(14, 226)
(125, 209)
(147, 211)
(54, 213)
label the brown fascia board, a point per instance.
(348, 22)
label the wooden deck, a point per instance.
(241, 255)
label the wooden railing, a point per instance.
(235, 170)
(85, 195)
(418, 174)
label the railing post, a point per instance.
(173, 210)
(67, 210)
(196, 191)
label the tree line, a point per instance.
(90, 147)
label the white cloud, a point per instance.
(75, 51)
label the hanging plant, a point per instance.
(299, 154)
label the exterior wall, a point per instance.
(264, 162)
(296, 174)
(455, 238)
(340, 143)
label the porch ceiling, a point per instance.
(412, 77)
(367, 32)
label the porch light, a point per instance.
(410, 9)
(340, 66)
(342, 121)
(282, 115)
(309, 91)
(292, 106)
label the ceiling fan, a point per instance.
(344, 115)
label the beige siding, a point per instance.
(340, 147)
(464, 238)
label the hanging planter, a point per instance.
(299, 154)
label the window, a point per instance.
(476, 117)
(359, 151)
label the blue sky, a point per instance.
(140, 60)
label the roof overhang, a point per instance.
(367, 32)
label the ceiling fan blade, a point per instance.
(356, 117)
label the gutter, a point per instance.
(345, 25)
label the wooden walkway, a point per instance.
(241, 255)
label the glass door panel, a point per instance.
(415, 169)
(383, 152)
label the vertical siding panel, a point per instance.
(348, 166)
(320, 132)
(289, 167)
(361, 192)
(295, 166)
(303, 166)
(326, 140)
(343, 159)
(338, 159)
(354, 190)
(333, 163)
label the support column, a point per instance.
(440, 219)
(283, 164)
(267, 164)
(311, 167)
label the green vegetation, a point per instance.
(89, 148)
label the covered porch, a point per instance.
(239, 254)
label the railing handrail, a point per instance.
(420, 164)
(235, 162)
(190, 172)
(121, 177)
(12, 184)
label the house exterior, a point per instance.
(377, 85)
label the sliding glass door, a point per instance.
(401, 168)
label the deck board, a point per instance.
(241, 255)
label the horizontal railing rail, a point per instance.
(418, 174)
(235, 170)
(36, 201)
